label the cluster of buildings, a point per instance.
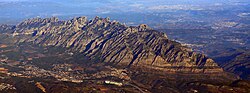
(68, 72)
(62, 72)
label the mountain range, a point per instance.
(113, 43)
(143, 56)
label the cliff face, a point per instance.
(113, 43)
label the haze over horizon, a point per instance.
(19, 10)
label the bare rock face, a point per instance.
(114, 43)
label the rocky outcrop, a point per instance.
(40, 86)
(113, 43)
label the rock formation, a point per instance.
(114, 43)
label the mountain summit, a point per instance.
(114, 43)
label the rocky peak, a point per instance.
(143, 27)
(77, 23)
(97, 20)
(35, 23)
(38, 20)
(80, 21)
(52, 20)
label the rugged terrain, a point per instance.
(113, 43)
(100, 55)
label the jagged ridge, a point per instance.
(112, 42)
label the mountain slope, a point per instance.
(240, 65)
(114, 43)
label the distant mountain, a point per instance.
(114, 43)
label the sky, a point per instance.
(22, 9)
